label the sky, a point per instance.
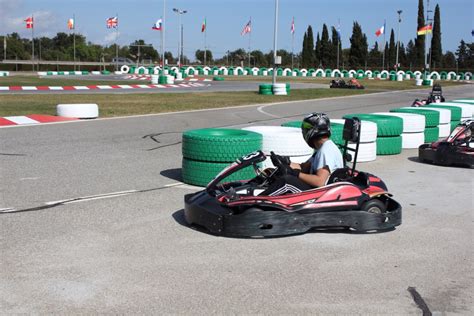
(226, 19)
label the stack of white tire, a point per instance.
(179, 76)
(154, 79)
(279, 89)
(413, 134)
(169, 79)
(467, 110)
(284, 141)
(83, 111)
(368, 137)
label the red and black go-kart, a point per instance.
(351, 200)
(456, 150)
(436, 96)
(351, 84)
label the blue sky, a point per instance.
(226, 18)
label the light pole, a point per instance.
(180, 30)
(398, 37)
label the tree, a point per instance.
(411, 53)
(317, 52)
(420, 39)
(436, 49)
(449, 60)
(375, 56)
(304, 51)
(310, 48)
(169, 58)
(335, 43)
(200, 56)
(359, 46)
(326, 47)
(392, 51)
(146, 52)
(462, 54)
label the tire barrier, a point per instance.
(265, 89)
(444, 121)
(207, 151)
(279, 89)
(467, 110)
(367, 151)
(431, 134)
(389, 145)
(431, 117)
(4, 73)
(412, 140)
(412, 123)
(368, 130)
(82, 111)
(218, 79)
(285, 141)
(125, 69)
(386, 125)
(368, 136)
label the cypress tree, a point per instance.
(335, 43)
(375, 56)
(358, 50)
(304, 52)
(392, 50)
(310, 47)
(325, 47)
(420, 39)
(317, 52)
(436, 50)
(462, 54)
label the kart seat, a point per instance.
(343, 174)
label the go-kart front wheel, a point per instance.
(374, 206)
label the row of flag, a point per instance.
(158, 26)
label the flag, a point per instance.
(112, 22)
(425, 30)
(380, 31)
(203, 26)
(29, 22)
(158, 25)
(247, 28)
(70, 24)
(292, 30)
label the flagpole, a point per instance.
(116, 43)
(250, 38)
(205, 41)
(383, 47)
(163, 39)
(292, 44)
(275, 41)
(33, 42)
(74, 38)
(338, 40)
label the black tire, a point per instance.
(374, 206)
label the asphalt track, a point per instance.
(117, 242)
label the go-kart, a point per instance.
(436, 96)
(351, 200)
(456, 150)
(351, 84)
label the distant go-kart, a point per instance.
(351, 199)
(436, 96)
(341, 84)
(456, 150)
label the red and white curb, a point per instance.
(148, 77)
(98, 87)
(32, 119)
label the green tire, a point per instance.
(265, 92)
(431, 116)
(389, 145)
(218, 79)
(336, 130)
(431, 134)
(456, 111)
(386, 125)
(219, 145)
(296, 124)
(201, 173)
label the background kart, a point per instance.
(351, 84)
(456, 150)
(351, 200)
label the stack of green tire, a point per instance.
(288, 88)
(218, 79)
(162, 80)
(456, 113)
(389, 130)
(431, 121)
(336, 130)
(85, 72)
(206, 152)
(265, 89)
(106, 72)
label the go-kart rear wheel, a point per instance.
(374, 206)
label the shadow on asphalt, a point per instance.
(173, 174)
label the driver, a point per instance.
(316, 171)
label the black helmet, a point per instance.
(315, 125)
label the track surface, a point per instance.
(130, 252)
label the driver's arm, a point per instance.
(304, 167)
(316, 180)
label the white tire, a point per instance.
(125, 69)
(444, 130)
(368, 130)
(412, 123)
(296, 159)
(285, 141)
(78, 73)
(467, 110)
(444, 114)
(40, 73)
(367, 151)
(412, 140)
(471, 101)
(95, 73)
(78, 110)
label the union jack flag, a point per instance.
(112, 22)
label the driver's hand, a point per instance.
(287, 170)
(278, 160)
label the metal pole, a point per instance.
(205, 42)
(179, 41)
(33, 42)
(275, 37)
(163, 38)
(338, 42)
(383, 47)
(116, 44)
(398, 37)
(74, 38)
(292, 45)
(182, 44)
(250, 37)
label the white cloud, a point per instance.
(111, 37)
